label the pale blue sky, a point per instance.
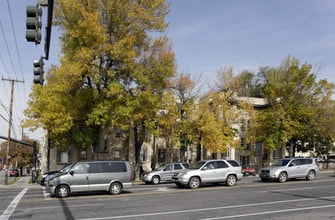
(206, 34)
(249, 34)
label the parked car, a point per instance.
(14, 172)
(209, 171)
(249, 170)
(110, 176)
(163, 172)
(290, 168)
(54, 172)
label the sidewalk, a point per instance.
(22, 182)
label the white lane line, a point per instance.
(213, 208)
(11, 208)
(270, 212)
(47, 195)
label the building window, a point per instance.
(245, 160)
(106, 141)
(161, 154)
(117, 154)
(83, 154)
(64, 157)
(277, 153)
(243, 142)
(143, 156)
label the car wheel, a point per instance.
(282, 177)
(194, 183)
(115, 189)
(155, 180)
(310, 175)
(231, 180)
(62, 191)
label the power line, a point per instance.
(17, 51)
(10, 56)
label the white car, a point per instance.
(163, 172)
(290, 168)
(209, 171)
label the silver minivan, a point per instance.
(111, 176)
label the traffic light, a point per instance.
(34, 24)
(38, 71)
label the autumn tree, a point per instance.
(218, 111)
(299, 107)
(179, 105)
(112, 71)
(20, 155)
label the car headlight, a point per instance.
(182, 173)
(44, 175)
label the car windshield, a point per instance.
(283, 162)
(160, 167)
(66, 168)
(197, 165)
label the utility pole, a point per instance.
(13, 81)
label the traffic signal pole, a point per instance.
(13, 81)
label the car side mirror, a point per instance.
(71, 172)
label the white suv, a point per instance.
(290, 168)
(209, 171)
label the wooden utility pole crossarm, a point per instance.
(13, 81)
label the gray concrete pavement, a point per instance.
(22, 182)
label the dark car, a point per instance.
(249, 170)
(53, 172)
(13, 172)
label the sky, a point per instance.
(206, 34)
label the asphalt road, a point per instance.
(249, 199)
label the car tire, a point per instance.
(231, 180)
(115, 189)
(282, 177)
(310, 175)
(155, 180)
(62, 191)
(194, 183)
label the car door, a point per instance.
(305, 164)
(222, 170)
(167, 172)
(78, 177)
(208, 172)
(294, 168)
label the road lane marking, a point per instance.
(11, 208)
(218, 208)
(270, 212)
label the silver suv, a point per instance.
(163, 172)
(289, 168)
(209, 171)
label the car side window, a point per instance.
(294, 163)
(80, 168)
(221, 164)
(167, 167)
(233, 163)
(177, 166)
(210, 165)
